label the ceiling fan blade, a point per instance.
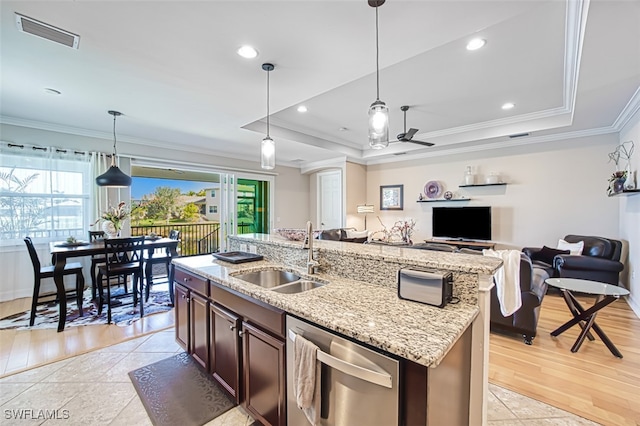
(410, 133)
(422, 143)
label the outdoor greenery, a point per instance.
(163, 206)
(19, 213)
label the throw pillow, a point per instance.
(546, 254)
(574, 248)
(357, 234)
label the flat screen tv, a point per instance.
(462, 223)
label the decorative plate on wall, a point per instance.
(433, 189)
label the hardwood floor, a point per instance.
(25, 349)
(591, 383)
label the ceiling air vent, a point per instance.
(46, 31)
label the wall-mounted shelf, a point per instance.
(442, 200)
(625, 192)
(483, 184)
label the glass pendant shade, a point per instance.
(114, 177)
(378, 125)
(268, 154)
(268, 149)
(378, 111)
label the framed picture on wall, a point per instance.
(391, 197)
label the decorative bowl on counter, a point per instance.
(294, 234)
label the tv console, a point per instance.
(475, 245)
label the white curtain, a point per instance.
(100, 163)
(44, 193)
(103, 198)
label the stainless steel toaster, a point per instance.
(425, 286)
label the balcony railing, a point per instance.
(197, 238)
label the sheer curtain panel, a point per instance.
(44, 193)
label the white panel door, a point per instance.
(330, 199)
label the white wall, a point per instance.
(630, 218)
(356, 193)
(554, 189)
(291, 192)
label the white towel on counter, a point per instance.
(306, 379)
(507, 280)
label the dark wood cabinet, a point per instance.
(181, 307)
(238, 339)
(199, 329)
(224, 358)
(192, 316)
(264, 375)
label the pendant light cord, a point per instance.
(115, 151)
(377, 60)
(268, 72)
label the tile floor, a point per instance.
(94, 389)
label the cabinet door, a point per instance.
(181, 304)
(224, 355)
(264, 375)
(199, 330)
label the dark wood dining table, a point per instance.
(61, 251)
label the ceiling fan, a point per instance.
(407, 136)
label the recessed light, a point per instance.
(302, 108)
(343, 129)
(52, 91)
(476, 44)
(508, 105)
(247, 51)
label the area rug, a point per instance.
(122, 315)
(178, 391)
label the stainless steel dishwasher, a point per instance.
(358, 386)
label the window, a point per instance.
(44, 193)
(213, 193)
(213, 209)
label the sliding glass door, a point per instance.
(247, 203)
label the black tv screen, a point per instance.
(466, 223)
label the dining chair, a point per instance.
(41, 272)
(98, 259)
(123, 258)
(156, 257)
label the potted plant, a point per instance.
(620, 177)
(113, 219)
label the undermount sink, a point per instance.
(269, 278)
(298, 287)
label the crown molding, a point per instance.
(575, 27)
(628, 112)
(502, 144)
(141, 142)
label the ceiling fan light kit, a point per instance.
(114, 177)
(378, 111)
(268, 148)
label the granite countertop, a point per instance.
(369, 313)
(467, 263)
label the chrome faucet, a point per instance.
(308, 244)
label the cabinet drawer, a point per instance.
(192, 282)
(251, 310)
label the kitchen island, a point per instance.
(360, 301)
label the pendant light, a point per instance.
(114, 177)
(268, 151)
(378, 111)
